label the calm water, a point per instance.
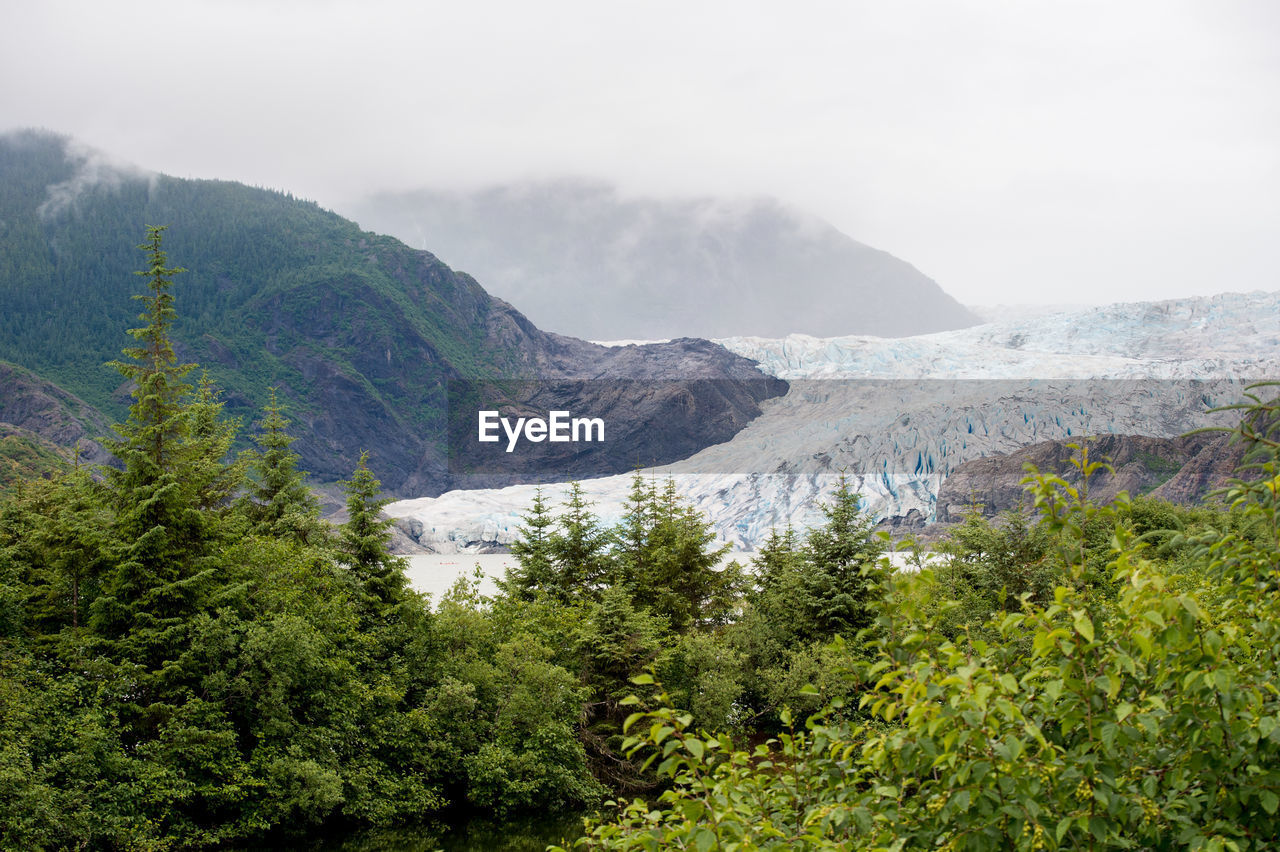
(434, 573)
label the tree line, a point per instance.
(1104, 677)
(191, 657)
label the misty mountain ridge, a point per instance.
(359, 333)
(579, 257)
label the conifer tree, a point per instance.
(211, 480)
(773, 619)
(841, 574)
(681, 580)
(532, 550)
(810, 590)
(280, 503)
(67, 546)
(158, 520)
(632, 537)
(577, 549)
(365, 539)
(150, 436)
(777, 558)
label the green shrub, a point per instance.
(1145, 717)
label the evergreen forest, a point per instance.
(191, 658)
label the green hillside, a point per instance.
(357, 330)
(25, 456)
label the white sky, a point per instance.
(1018, 151)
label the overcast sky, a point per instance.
(1014, 151)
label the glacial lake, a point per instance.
(434, 573)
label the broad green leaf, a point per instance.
(1083, 624)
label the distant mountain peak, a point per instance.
(583, 257)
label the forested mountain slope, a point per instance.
(359, 332)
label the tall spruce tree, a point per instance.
(279, 503)
(841, 575)
(632, 545)
(151, 435)
(678, 577)
(577, 549)
(365, 539)
(532, 549)
(157, 491)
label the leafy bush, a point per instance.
(1143, 717)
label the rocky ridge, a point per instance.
(900, 416)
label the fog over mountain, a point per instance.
(581, 258)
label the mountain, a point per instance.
(1140, 465)
(33, 406)
(42, 427)
(1185, 469)
(24, 456)
(361, 334)
(582, 259)
(902, 416)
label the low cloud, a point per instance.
(95, 170)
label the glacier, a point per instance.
(895, 415)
